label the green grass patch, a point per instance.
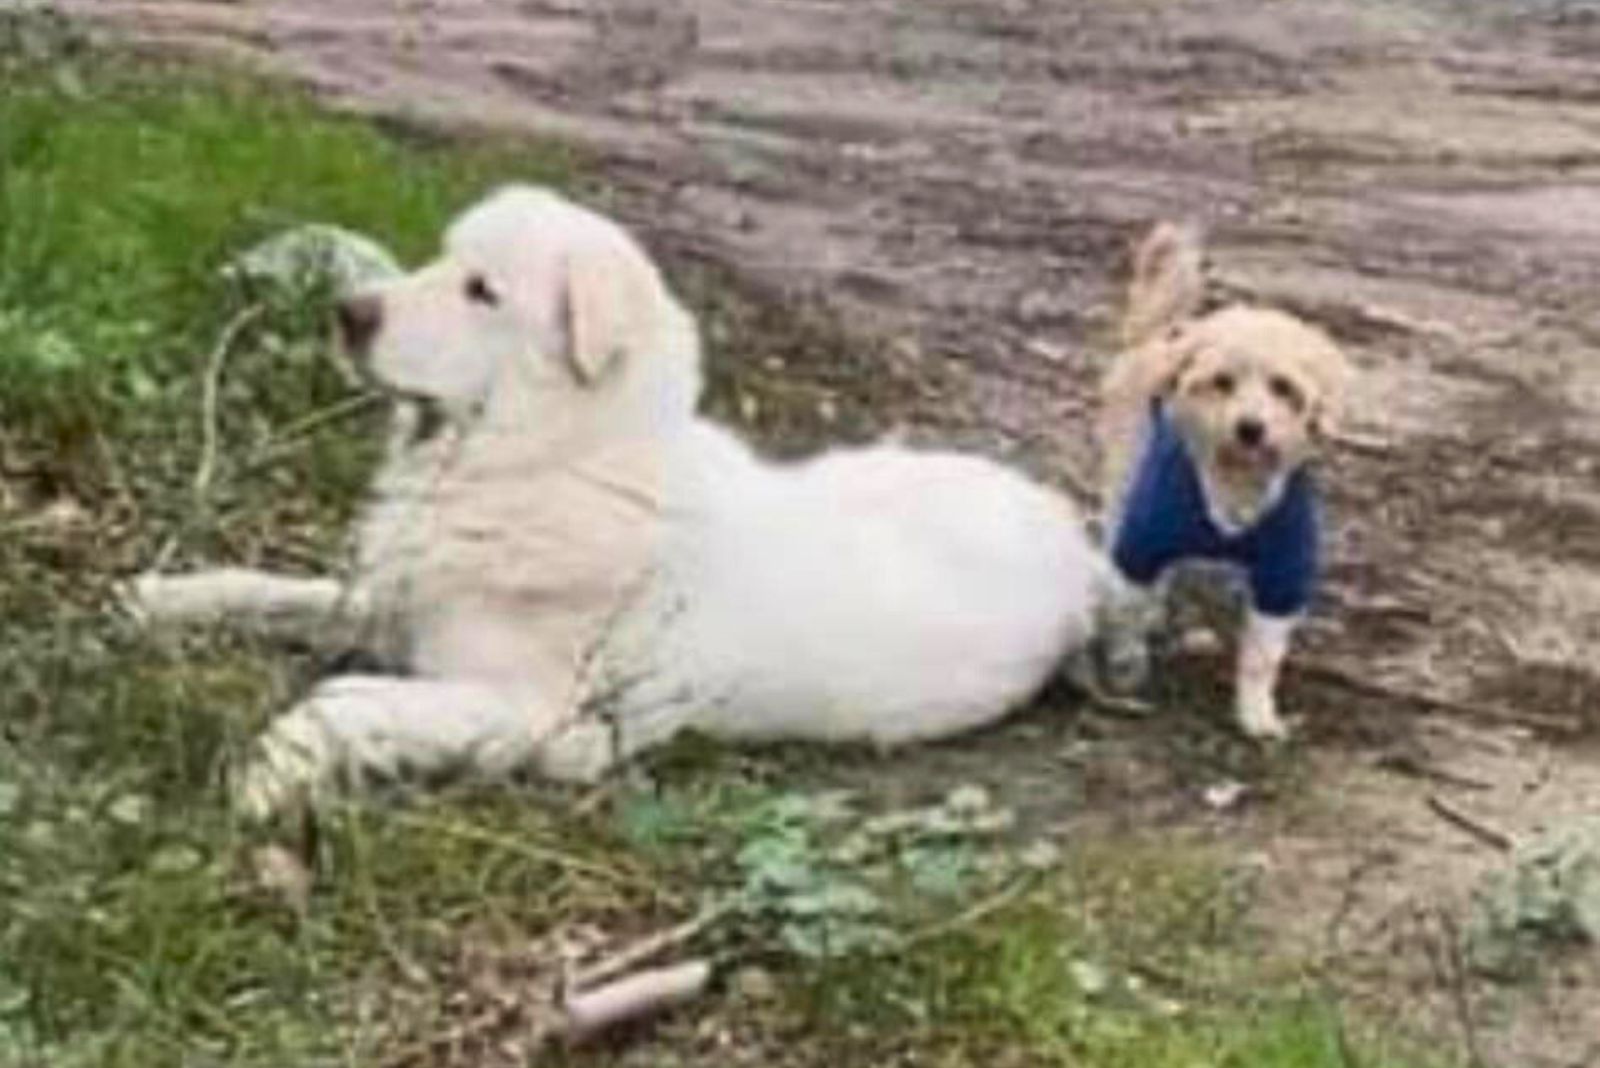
(124, 189)
(1136, 953)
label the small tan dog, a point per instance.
(1208, 426)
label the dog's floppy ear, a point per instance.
(611, 300)
(1181, 346)
(1168, 282)
(1332, 375)
(1323, 370)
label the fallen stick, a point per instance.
(1490, 836)
(210, 395)
(577, 1018)
(210, 392)
(570, 862)
(1365, 443)
(632, 998)
(641, 952)
(1419, 768)
(985, 908)
(293, 435)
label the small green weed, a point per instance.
(815, 875)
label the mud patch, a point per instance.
(785, 373)
(1545, 524)
(1558, 689)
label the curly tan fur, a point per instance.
(1251, 390)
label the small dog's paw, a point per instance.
(1259, 719)
(290, 768)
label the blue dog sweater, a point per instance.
(1165, 521)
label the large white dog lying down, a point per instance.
(575, 565)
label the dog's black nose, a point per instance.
(359, 319)
(1250, 431)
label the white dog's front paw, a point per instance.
(579, 753)
(292, 764)
(1258, 716)
(142, 598)
(151, 599)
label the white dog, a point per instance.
(574, 565)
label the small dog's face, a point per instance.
(1251, 390)
(532, 295)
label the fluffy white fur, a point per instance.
(577, 565)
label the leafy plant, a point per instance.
(791, 881)
(817, 877)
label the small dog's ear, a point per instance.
(611, 297)
(1327, 412)
(1332, 376)
(1168, 282)
(1181, 349)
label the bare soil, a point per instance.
(957, 183)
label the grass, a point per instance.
(1134, 955)
(131, 929)
(123, 196)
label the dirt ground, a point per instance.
(958, 181)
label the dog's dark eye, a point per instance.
(1222, 383)
(479, 291)
(1286, 391)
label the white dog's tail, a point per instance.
(1168, 282)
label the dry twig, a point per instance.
(990, 905)
(293, 435)
(620, 994)
(641, 952)
(633, 997)
(1418, 767)
(532, 851)
(1484, 833)
(206, 469)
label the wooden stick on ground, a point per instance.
(633, 997)
(209, 397)
(603, 996)
(579, 1017)
(641, 952)
(1484, 833)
